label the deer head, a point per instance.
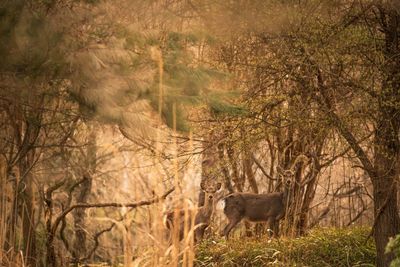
(210, 189)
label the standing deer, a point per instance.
(203, 215)
(252, 207)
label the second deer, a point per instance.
(270, 208)
(203, 215)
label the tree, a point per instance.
(343, 63)
(354, 55)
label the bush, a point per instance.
(394, 246)
(321, 247)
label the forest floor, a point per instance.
(320, 247)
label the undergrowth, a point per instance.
(321, 247)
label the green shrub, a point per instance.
(394, 246)
(321, 247)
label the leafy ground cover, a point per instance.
(321, 247)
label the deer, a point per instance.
(269, 207)
(202, 218)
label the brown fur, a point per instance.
(268, 208)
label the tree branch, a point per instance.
(106, 205)
(262, 169)
(329, 110)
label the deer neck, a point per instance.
(208, 207)
(285, 195)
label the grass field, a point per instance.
(321, 247)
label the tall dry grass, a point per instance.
(160, 246)
(11, 253)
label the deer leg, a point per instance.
(271, 226)
(259, 229)
(276, 228)
(232, 223)
(199, 233)
(249, 231)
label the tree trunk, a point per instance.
(79, 215)
(27, 210)
(28, 229)
(224, 168)
(310, 190)
(208, 166)
(308, 197)
(387, 221)
(238, 181)
(50, 251)
(12, 219)
(247, 166)
(387, 143)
